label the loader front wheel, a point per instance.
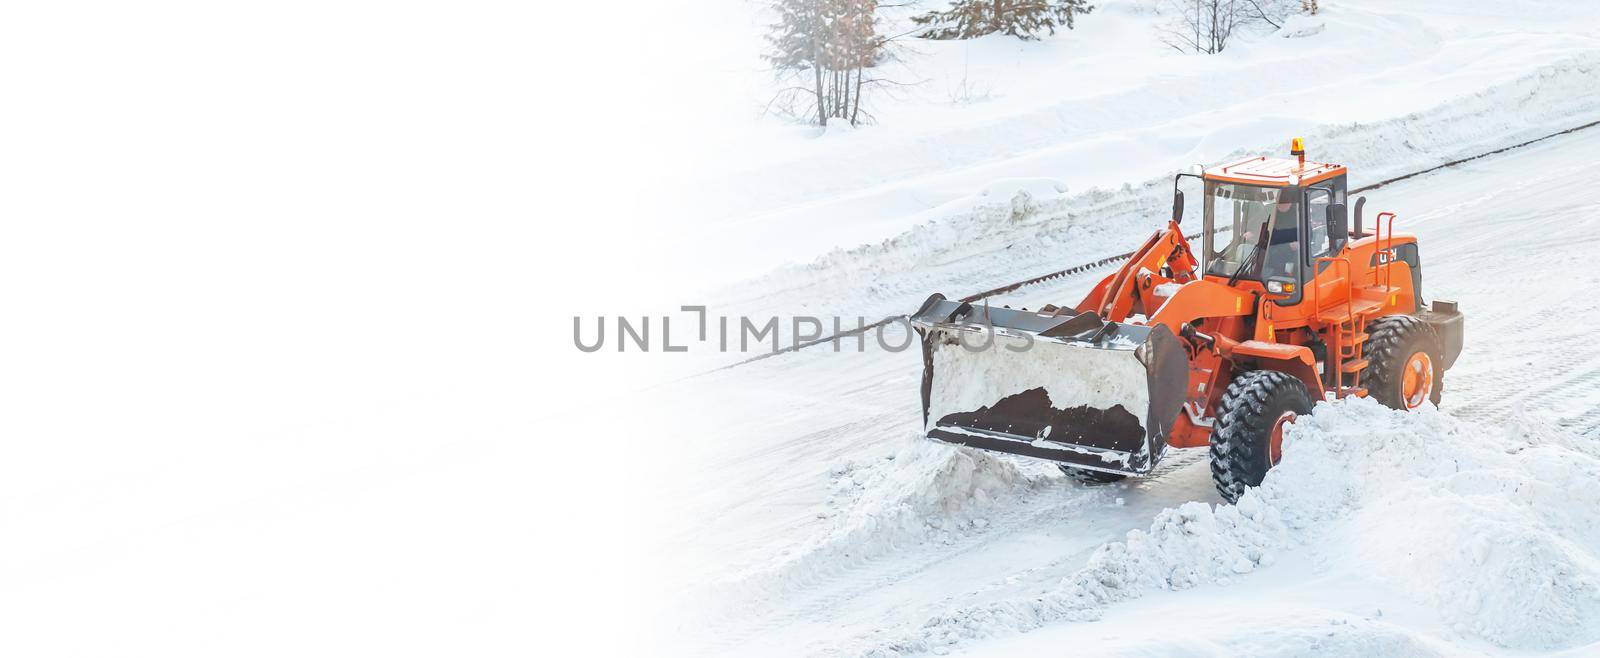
(1091, 477)
(1404, 362)
(1247, 436)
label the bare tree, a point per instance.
(1207, 26)
(1271, 12)
(824, 47)
(1202, 26)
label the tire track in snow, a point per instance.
(1503, 252)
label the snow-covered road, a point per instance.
(809, 520)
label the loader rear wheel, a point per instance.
(1247, 437)
(1091, 477)
(1403, 358)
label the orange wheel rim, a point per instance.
(1416, 382)
(1275, 443)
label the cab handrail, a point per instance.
(1385, 242)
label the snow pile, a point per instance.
(1022, 195)
(1492, 527)
(1301, 25)
(1496, 530)
(925, 493)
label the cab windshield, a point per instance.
(1251, 232)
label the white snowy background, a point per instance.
(805, 519)
(288, 365)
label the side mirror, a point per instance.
(1177, 206)
(1338, 227)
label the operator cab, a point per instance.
(1269, 219)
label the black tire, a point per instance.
(1241, 436)
(1392, 341)
(1090, 477)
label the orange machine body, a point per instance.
(1315, 334)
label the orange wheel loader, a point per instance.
(1287, 303)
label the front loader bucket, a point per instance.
(1064, 386)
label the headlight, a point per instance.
(1275, 287)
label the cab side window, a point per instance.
(1317, 200)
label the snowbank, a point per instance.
(1301, 25)
(923, 493)
(1490, 526)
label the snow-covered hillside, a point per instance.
(1095, 107)
(801, 516)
